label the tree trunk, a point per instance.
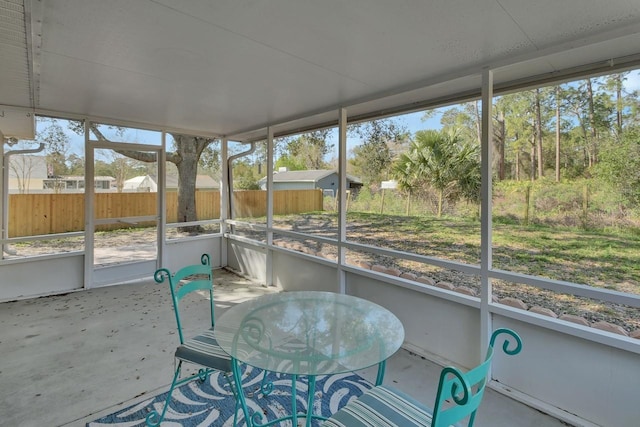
(408, 203)
(527, 198)
(557, 133)
(478, 122)
(533, 159)
(440, 197)
(619, 103)
(577, 113)
(538, 132)
(593, 154)
(500, 142)
(188, 150)
(186, 190)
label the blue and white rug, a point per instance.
(210, 403)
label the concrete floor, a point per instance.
(68, 359)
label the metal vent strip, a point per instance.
(16, 70)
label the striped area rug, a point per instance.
(210, 403)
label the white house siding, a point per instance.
(293, 185)
(26, 171)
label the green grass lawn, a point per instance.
(607, 259)
(601, 258)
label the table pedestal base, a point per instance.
(255, 420)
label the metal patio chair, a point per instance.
(203, 349)
(458, 398)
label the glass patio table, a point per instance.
(307, 333)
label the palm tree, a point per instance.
(405, 173)
(443, 161)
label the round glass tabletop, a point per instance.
(309, 333)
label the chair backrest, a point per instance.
(460, 394)
(197, 277)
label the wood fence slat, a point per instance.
(33, 214)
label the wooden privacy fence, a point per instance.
(253, 203)
(34, 214)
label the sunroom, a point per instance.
(156, 81)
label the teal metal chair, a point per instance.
(203, 349)
(458, 398)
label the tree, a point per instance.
(75, 165)
(499, 141)
(444, 162)
(516, 112)
(186, 157)
(57, 146)
(22, 167)
(405, 172)
(289, 162)
(557, 90)
(593, 110)
(209, 162)
(619, 165)
(538, 132)
(245, 176)
(381, 141)
(121, 169)
(464, 120)
(614, 82)
(306, 151)
(624, 103)
(593, 155)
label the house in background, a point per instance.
(142, 183)
(326, 180)
(26, 173)
(147, 183)
(30, 174)
(75, 184)
(203, 182)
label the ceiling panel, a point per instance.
(546, 22)
(178, 70)
(375, 42)
(235, 66)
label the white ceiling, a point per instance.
(229, 67)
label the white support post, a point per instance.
(224, 200)
(269, 272)
(4, 205)
(342, 197)
(486, 153)
(89, 195)
(162, 202)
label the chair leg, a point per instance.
(153, 418)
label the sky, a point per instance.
(633, 81)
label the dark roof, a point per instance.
(313, 175)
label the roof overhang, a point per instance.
(230, 68)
